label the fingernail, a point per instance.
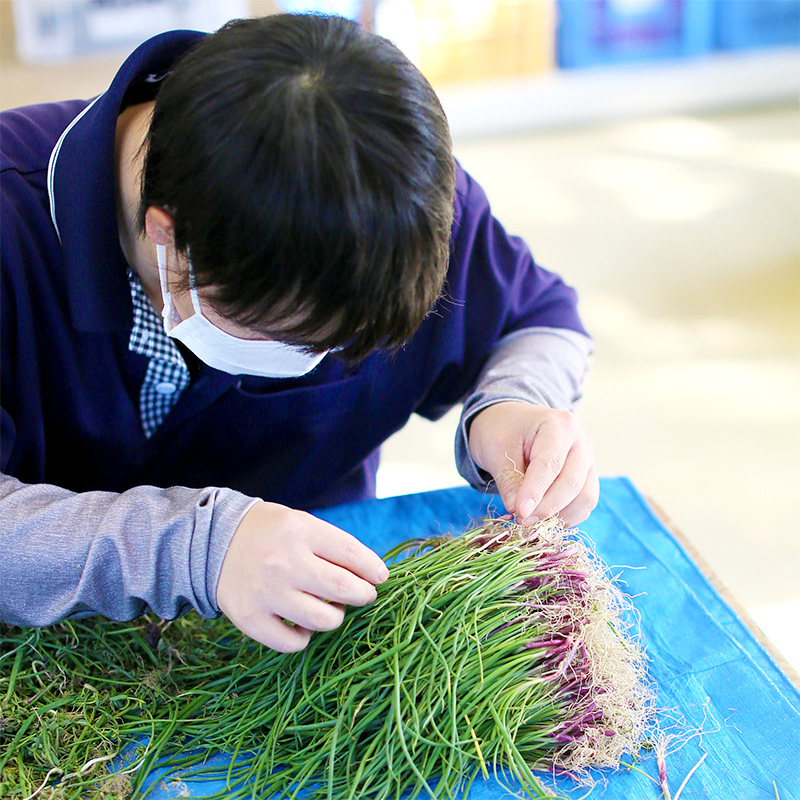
(526, 508)
(383, 573)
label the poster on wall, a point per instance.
(59, 30)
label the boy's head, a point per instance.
(307, 166)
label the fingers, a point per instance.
(274, 632)
(509, 477)
(342, 549)
(308, 612)
(295, 616)
(541, 460)
(337, 584)
(583, 505)
(561, 500)
(286, 574)
(561, 477)
(548, 453)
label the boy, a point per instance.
(225, 282)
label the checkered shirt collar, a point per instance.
(148, 337)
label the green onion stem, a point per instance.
(498, 652)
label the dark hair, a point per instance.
(308, 167)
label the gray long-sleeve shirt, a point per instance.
(68, 554)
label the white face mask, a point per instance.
(223, 351)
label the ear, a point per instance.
(159, 226)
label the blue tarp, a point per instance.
(723, 697)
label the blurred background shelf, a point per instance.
(712, 82)
(498, 65)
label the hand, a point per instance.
(285, 566)
(540, 458)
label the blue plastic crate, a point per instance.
(741, 24)
(613, 31)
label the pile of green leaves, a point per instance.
(498, 652)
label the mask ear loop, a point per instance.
(161, 257)
(193, 290)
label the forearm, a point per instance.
(543, 366)
(68, 554)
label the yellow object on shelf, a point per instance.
(455, 41)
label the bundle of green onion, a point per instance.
(495, 653)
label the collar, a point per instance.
(81, 188)
(148, 335)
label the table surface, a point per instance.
(729, 708)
